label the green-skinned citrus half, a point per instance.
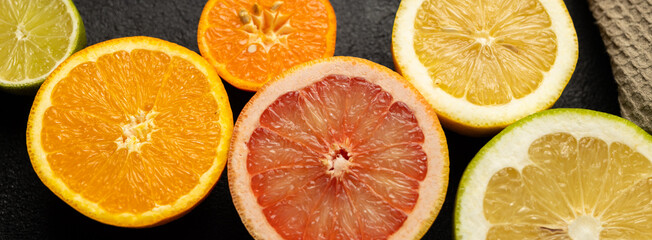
(559, 174)
(35, 37)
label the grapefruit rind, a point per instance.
(510, 149)
(161, 214)
(470, 119)
(434, 186)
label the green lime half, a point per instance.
(35, 37)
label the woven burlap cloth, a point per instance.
(626, 28)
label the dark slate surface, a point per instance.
(28, 210)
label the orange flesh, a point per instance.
(131, 131)
(338, 159)
(572, 181)
(488, 52)
(271, 42)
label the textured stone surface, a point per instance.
(28, 210)
(626, 27)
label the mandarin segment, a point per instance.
(250, 64)
(229, 49)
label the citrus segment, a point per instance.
(131, 132)
(501, 60)
(337, 149)
(249, 42)
(574, 183)
(36, 37)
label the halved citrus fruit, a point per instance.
(131, 132)
(485, 64)
(559, 174)
(338, 148)
(35, 37)
(252, 41)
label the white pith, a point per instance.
(137, 131)
(585, 228)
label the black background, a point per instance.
(28, 210)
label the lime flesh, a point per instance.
(36, 36)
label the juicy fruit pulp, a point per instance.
(576, 188)
(257, 41)
(337, 159)
(485, 51)
(132, 131)
(35, 37)
(488, 52)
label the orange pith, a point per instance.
(132, 126)
(339, 143)
(250, 42)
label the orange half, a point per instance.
(250, 42)
(131, 132)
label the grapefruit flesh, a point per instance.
(338, 159)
